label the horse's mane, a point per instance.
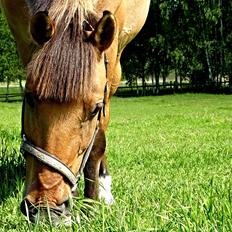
(63, 67)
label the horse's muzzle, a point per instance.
(60, 215)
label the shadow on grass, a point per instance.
(12, 171)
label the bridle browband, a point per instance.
(27, 148)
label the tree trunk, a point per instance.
(208, 60)
(7, 88)
(137, 87)
(144, 85)
(230, 84)
(222, 45)
(157, 76)
(176, 81)
(208, 63)
(153, 84)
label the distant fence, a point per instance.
(11, 93)
(15, 94)
(148, 89)
(9, 97)
(173, 87)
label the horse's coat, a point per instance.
(63, 45)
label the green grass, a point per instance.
(170, 158)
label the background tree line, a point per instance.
(192, 40)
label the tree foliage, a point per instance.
(190, 38)
(10, 68)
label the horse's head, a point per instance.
(64, 97)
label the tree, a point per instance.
(10, 68)
(190, 38)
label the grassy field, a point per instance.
(170, 158)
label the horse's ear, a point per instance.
(42, 28)
(104, 33)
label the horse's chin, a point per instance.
(52, 218)
(60, 216)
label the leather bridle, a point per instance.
(27, 148)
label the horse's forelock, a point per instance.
(63, 68)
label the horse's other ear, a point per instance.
(104, 33)
(42, 28)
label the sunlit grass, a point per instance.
(170, 158)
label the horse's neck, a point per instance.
(130, 14)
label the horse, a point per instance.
(71, 52)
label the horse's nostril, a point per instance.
(28, 209)
(24, 207)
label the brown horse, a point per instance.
(71, 50)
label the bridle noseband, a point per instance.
(27, 148)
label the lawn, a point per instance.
(170, 158)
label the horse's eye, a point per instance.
(96, 109)
(30, 99)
